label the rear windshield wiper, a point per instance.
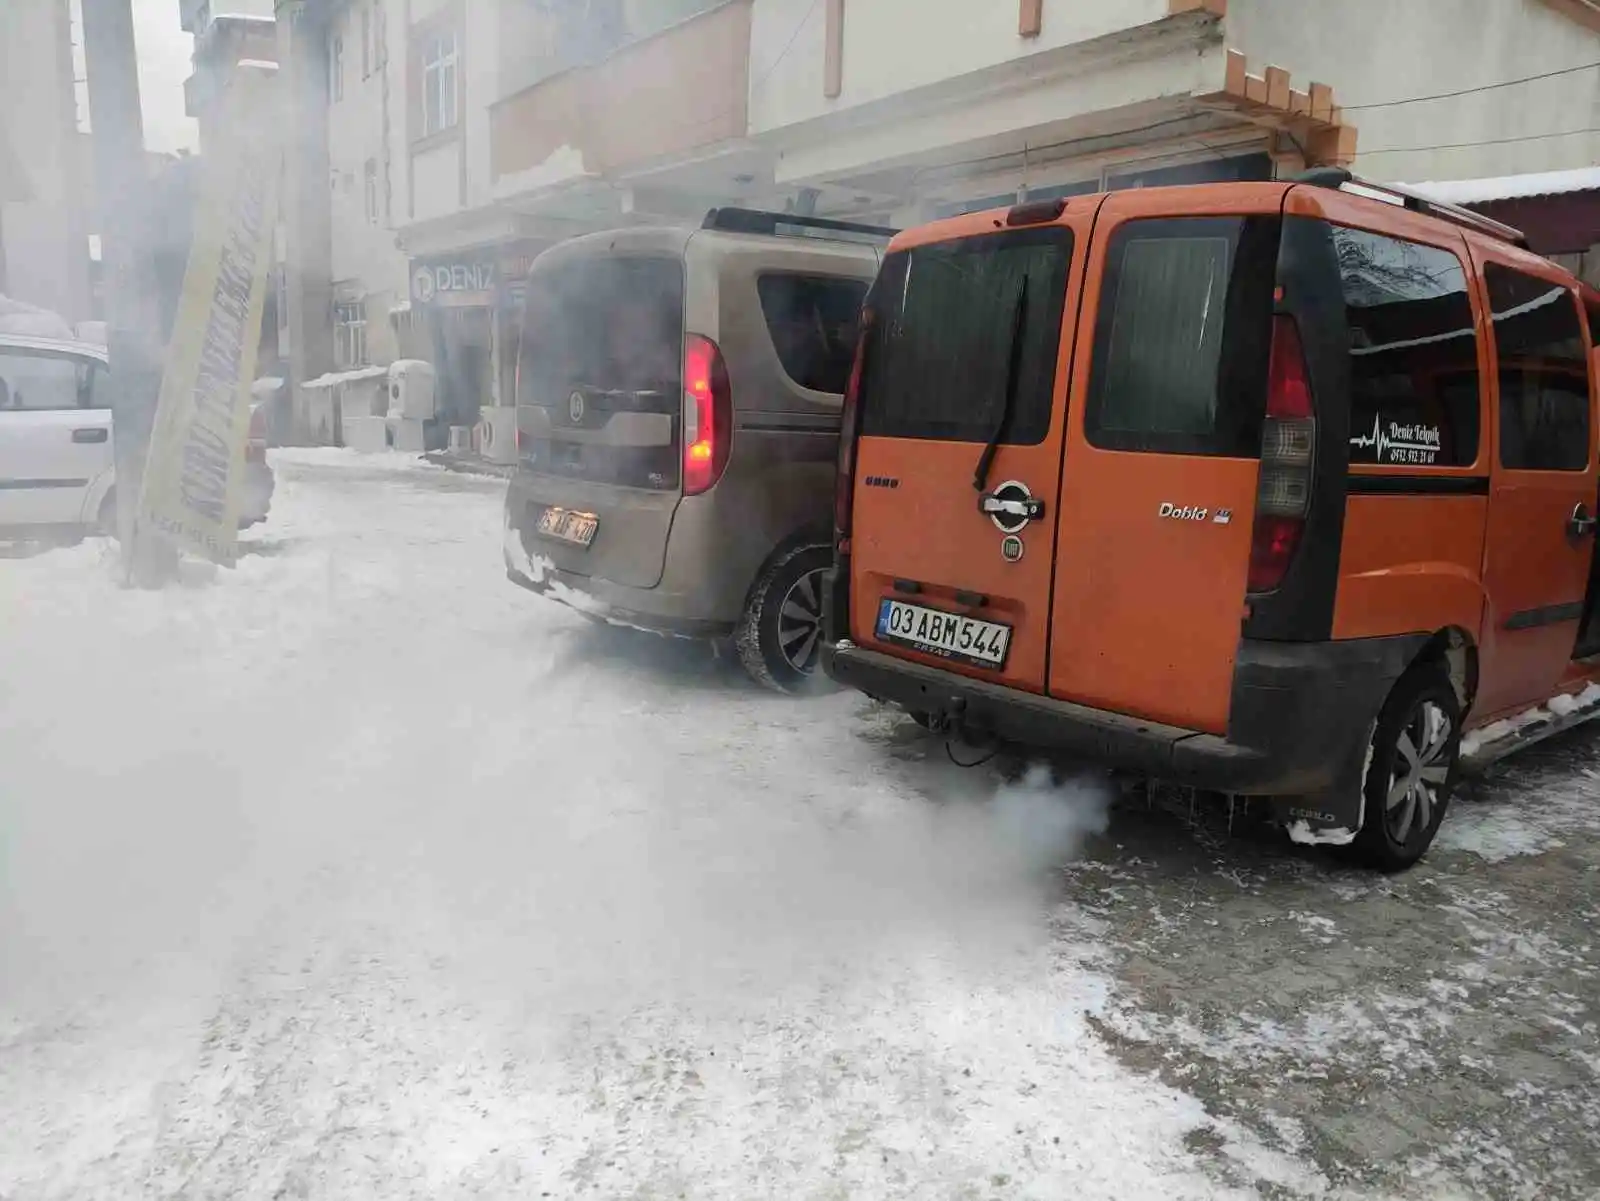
(980, 476)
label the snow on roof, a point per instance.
(346, 377)
(1510, 187)
(22, 340)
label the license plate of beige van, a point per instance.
(948, 635)
(567, 525)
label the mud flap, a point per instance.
(1332, 817)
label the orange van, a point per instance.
(1272, 489)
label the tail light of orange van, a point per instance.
(707, 415)
(1288, 447)
(844, 480)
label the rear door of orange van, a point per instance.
(962, 418)
(1154, 553)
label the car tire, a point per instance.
(1412, 768)
(780, 634)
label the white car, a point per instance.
(57, 472)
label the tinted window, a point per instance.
(1181, 341)
(1544, 378)
(610, 331)
(956, 322)
(41, 381)
(612, 324)
(1414, 387)
(813, 320)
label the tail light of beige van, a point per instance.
(1288, 445)
(707, 415)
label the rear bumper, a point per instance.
(581, 593)
(1300, 720)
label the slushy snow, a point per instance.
(356, 871)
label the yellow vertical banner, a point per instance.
(195, 464)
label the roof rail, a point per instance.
(1338, 178)
(757, 221)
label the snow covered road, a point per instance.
(356, 872)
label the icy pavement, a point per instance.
(1438, 1030)
(357, 872)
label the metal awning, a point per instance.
(1511, 187)
(1558, 210)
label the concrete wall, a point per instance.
(368, 124)
(447, 175)
(46, 235)
(637, 105)
(894, 46)
(1431, 46)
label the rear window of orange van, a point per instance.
(1182, 337)
(955, 323)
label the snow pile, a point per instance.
(31, 321)
(355, 375)
(1556, 707)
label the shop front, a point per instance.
(470, 305)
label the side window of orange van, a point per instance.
(1544, 375)
(1414, 389)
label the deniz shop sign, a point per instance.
(486, 277)
(458, 283)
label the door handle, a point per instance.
(1580, 524)
(89, 435)
(1031, 508)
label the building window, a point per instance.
(371, 191)
(366, 41)
(439, 63)
(350, 334)
(336, 68)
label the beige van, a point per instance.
(678, 400)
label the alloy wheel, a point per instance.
(800, 622)
(1418, 771)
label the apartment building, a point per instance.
(45, 192)
(464, 135)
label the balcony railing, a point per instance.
(662, 96)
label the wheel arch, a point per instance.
(94, 497)
(1456, 651)
(809, 534)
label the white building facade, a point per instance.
(465, 135)
(45, 172)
